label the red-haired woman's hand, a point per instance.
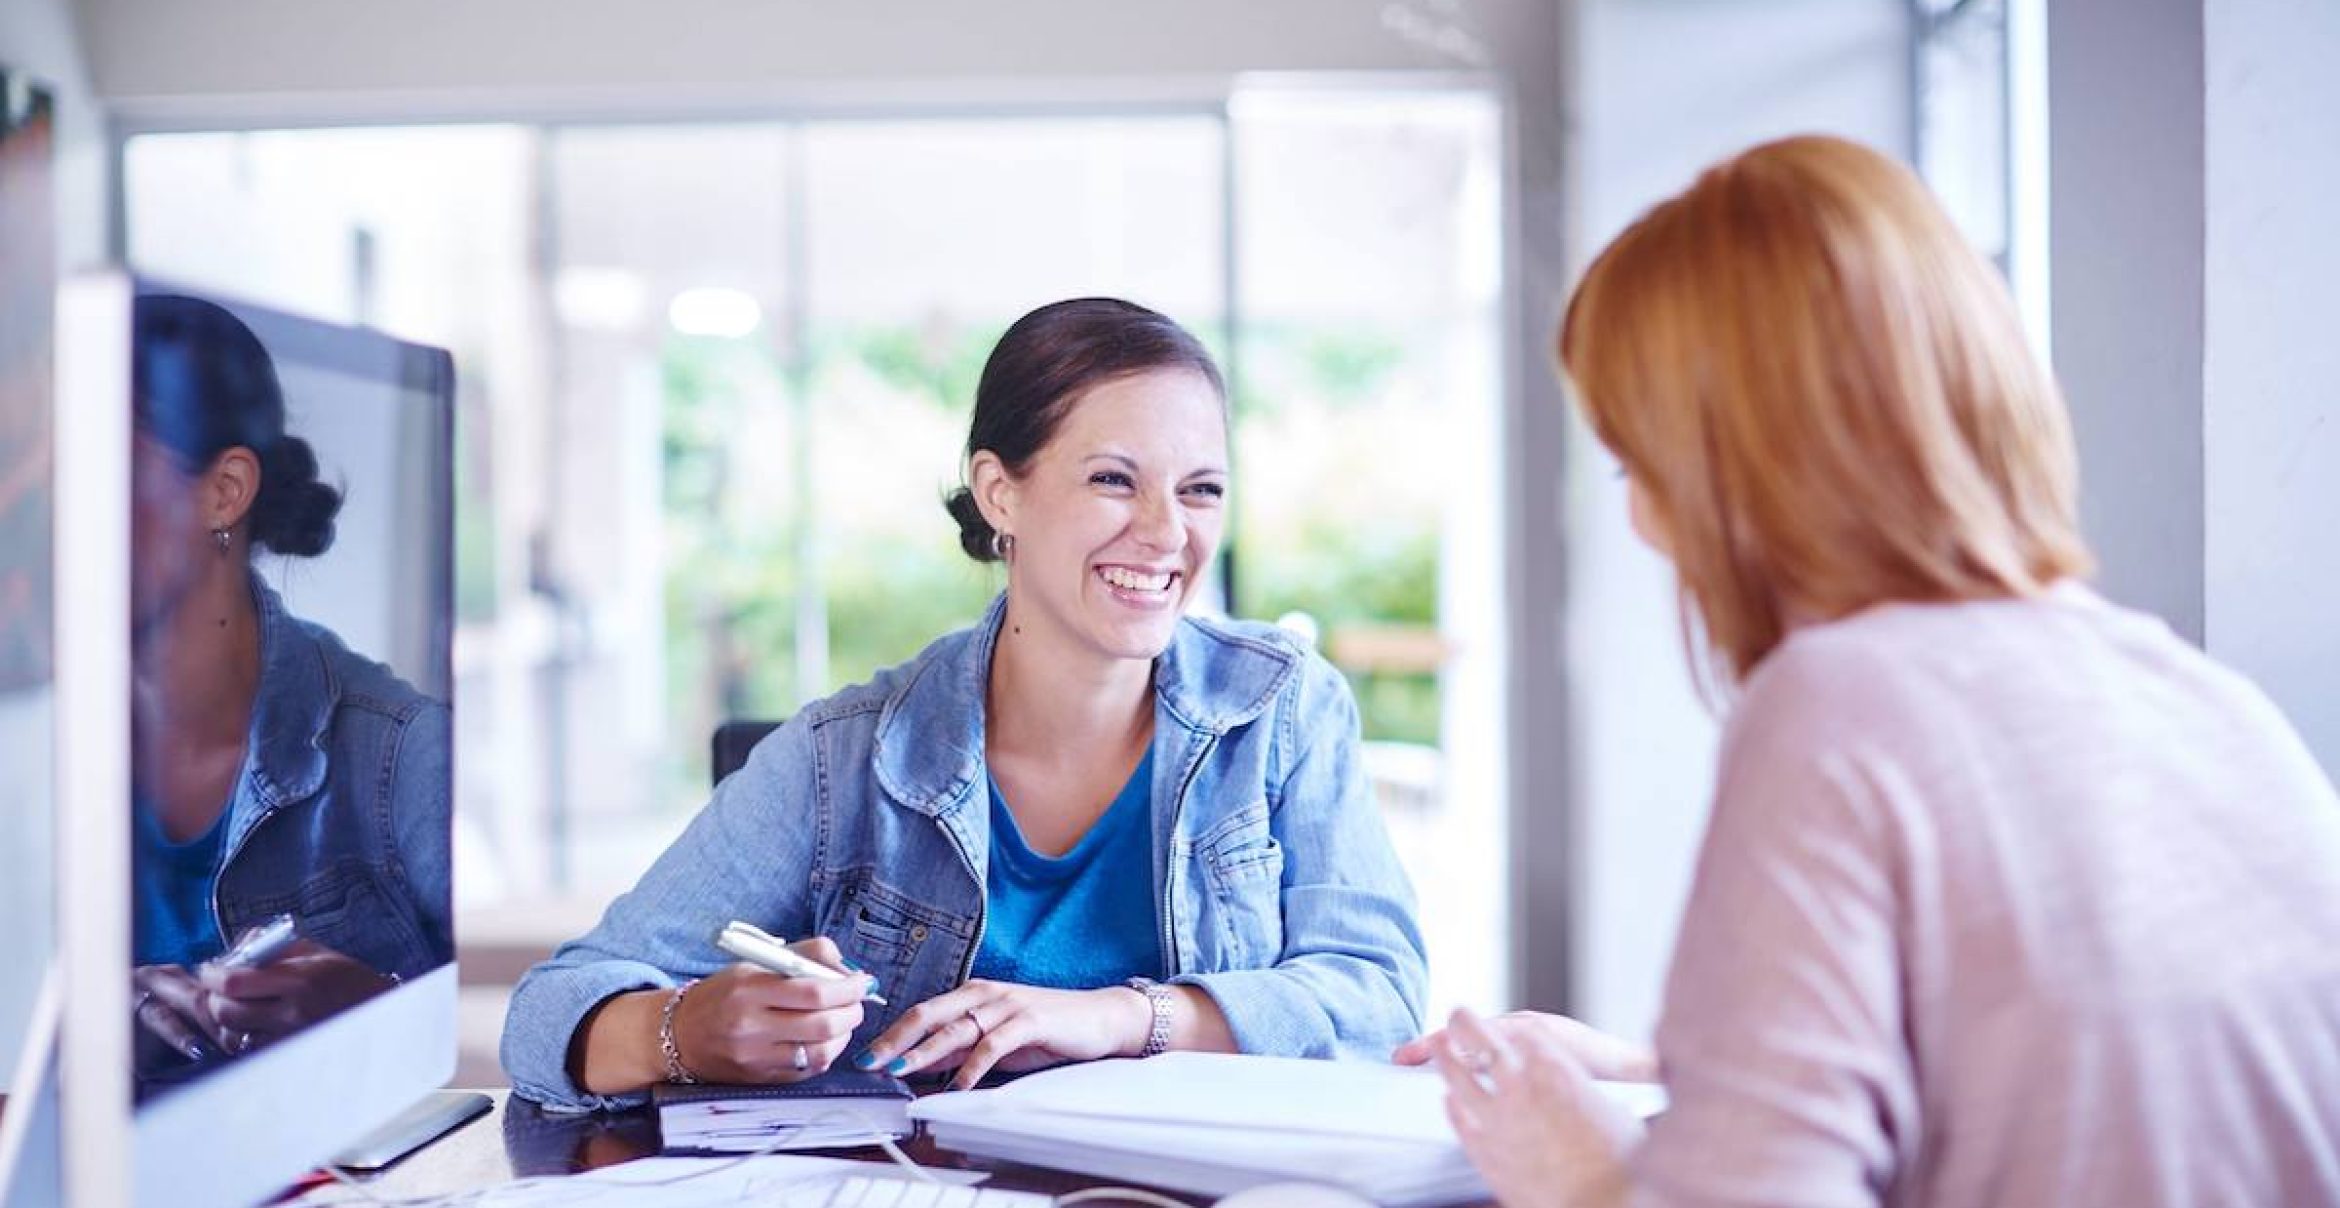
(1603, 1056)
(1530, 1117)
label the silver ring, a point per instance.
(803, 1059)
(243, 1042)
(977, 1020)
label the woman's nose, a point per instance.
(1159, 525)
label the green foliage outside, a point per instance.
(1348, 536)
(888, 599)
(941, 367)
(729, 580)
(1333, 538)
(1338, 576)
(474, 503)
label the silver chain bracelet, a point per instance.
(676, 1071)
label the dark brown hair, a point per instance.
(1043, 364)
(201, 384)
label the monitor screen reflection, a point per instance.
(290, 793)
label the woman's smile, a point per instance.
(1140, 587)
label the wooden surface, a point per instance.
(519, 1139)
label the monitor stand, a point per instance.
(431, 1117)
(30, 1170)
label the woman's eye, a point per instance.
(1209, 490)
(1109, 478)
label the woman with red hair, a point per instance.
(2008, 896)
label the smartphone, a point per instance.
(259, 944)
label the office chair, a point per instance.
(733, 741)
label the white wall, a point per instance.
(2271, 362)
(2125, 235)
(1662, 88)
(2195, 159)
(38, 37)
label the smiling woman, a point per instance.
(1090, 826)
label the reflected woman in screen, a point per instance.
(276, 772)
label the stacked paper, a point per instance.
(747, 1126)
(1215, 1123)
(842, 1107)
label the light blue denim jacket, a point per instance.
(341, 815)
(866, 819)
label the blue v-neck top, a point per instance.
(1081, 920)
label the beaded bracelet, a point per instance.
(676, 1071)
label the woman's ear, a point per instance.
(230, 487)
(995, 490)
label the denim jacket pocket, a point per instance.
(1244, 867)
(1234, 872)
(344, 907)
(878, 927)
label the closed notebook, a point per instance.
(840, 1108)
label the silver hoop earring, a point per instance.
(1002, 545)
(220, 538)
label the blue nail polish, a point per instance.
(897, 1065)
(867, 1060)
(848, 963)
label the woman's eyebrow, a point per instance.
(1130, 463)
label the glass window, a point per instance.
(1369, 402)
(1963, 116)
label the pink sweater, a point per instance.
(2020, 902)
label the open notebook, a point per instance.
(1215, 1123)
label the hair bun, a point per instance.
(294, 513)
(975, 533)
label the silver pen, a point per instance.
(769, 952)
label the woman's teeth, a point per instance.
(1130, 580)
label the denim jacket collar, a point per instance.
(293, 710)
(929, 748)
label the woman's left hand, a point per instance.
(987, 1025)
(1531, 1118)
(306, 984)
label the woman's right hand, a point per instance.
(1602, 1055)
(745, 1024)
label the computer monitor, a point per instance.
(255, 537)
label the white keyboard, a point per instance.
(862, 1191)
